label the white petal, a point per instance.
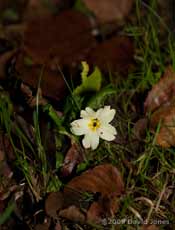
(107, 132)
(106, 115)
(86, 141)
(88, 112)
(79, 127)
(91, 140)
(94, 137)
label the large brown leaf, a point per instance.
(67, 37)
(161, 101)
(109, 10)
(166, 135)
(104, 180)
(65, 43)
(162, 92)
(40, 8)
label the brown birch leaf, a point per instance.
(104, 180)
(165, 115)
(108, 11)
(162, 92)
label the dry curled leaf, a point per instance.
(108, 11)
(73, 157)
(104, 180)
(32, 100)
(165, 116)
(162, 92)
(161, 101)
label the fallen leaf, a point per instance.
(40, 8)
(105, 206)
(162, 92)
(72, 213)
(70, 45)
(108, 11)
(165, 116)
(54, 202)
(73, 157)
(114, 55)
(43, 53)
(32, 100)
(104, 180)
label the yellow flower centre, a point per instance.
(94, 124)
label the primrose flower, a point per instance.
(94, 125)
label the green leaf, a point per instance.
(53, 115)
(98, 99)
(91, 83)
